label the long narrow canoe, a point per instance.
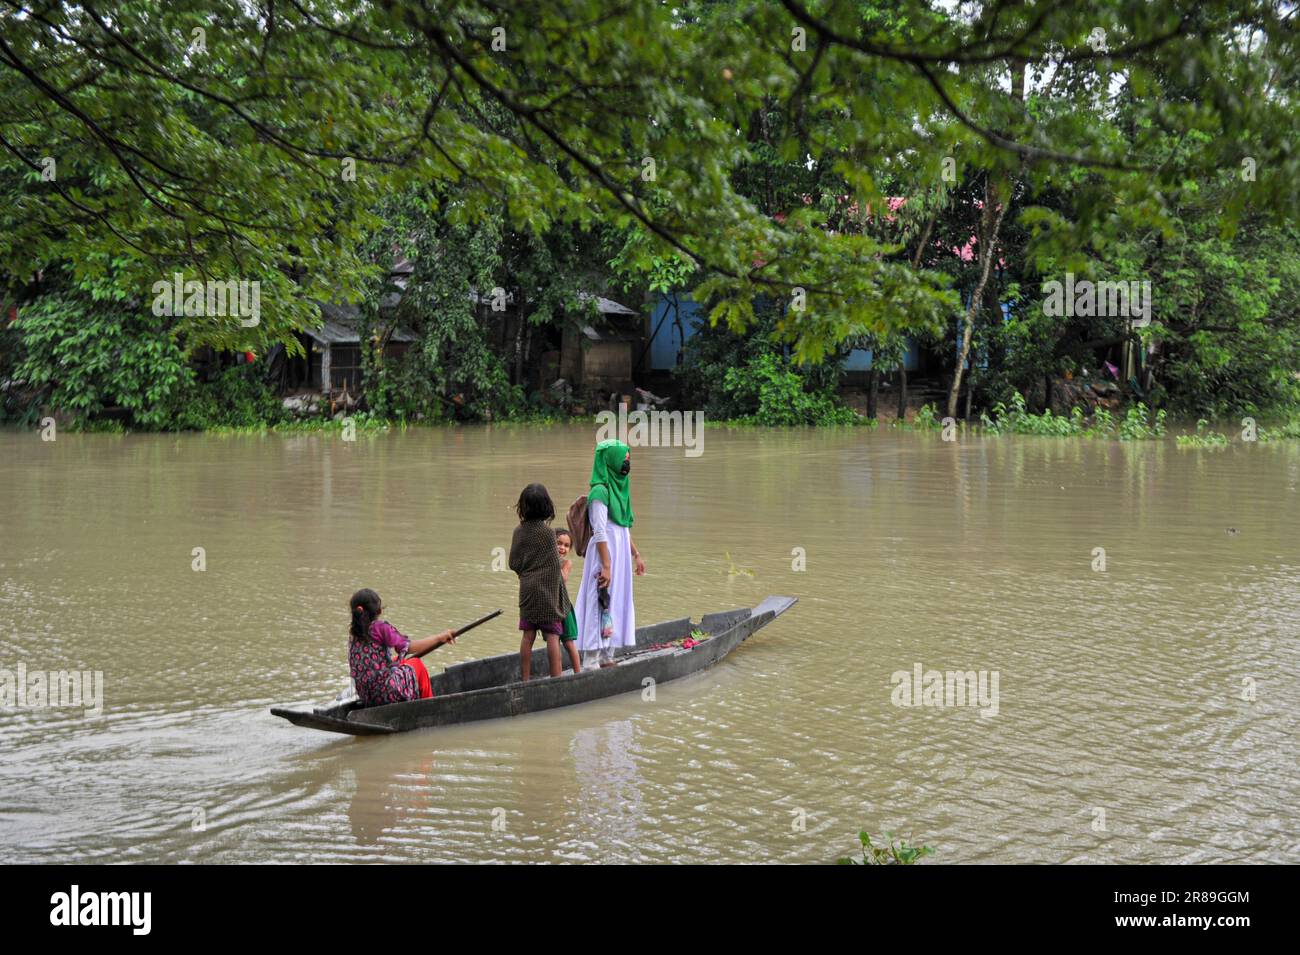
(490, 688)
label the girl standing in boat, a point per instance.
(543, 599)
(385, 665)
(606, 615)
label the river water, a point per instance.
(1147, 712)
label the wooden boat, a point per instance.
(490, 688)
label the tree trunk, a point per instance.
(519, 343)
(902, 364)
(873, 390)
(996, 202)
(995, 207)
(528, 352)
(925, 238)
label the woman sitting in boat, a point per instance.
(385, 665)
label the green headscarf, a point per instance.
(607, 485)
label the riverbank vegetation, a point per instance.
(1139, 423)
(902, 178)
(1206, 437)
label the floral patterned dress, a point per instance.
(377, 669)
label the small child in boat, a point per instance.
(568, 639)
(543, 599)
(564, 544)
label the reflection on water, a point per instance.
(1124, 693)
(609, 793)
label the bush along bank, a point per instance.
(1138, 423)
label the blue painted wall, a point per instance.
(961, 326)
(666, 345)
(860, 359)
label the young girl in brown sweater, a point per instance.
(543, 598)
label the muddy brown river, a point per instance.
(1133, 611)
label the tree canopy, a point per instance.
(259, 140)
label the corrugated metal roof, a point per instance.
(614, 331)
(339, 327)
(607, 306)
(340, 323)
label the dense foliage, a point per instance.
(88, 349)
(818, 174)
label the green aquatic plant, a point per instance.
(1289, 430)
(360, 422)
(894, 853)
(1017, 420)
(925, 419)
(1139, 425)
(1203, 438)
(734, 571)
(1103, 423)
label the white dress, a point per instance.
(586, 608)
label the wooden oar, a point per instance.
(469, 626)
(478, 622)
